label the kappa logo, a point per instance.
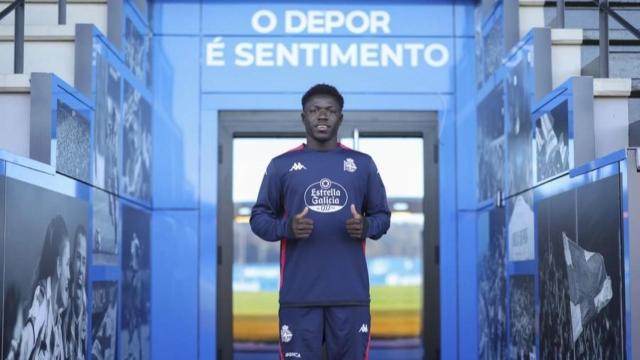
(350, 165)
(285, 334)
(293, 355)
(364, 329)
(297, 166)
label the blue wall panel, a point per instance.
(208, 239)
(448, 236)
(465, 163)
(212, 103)
(465, 124)
(464, 18)
(467, 284)
(176, 122)
(174, 284)
(244, 66)
(168, 17)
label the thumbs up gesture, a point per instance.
(301, 226)
(355, 225)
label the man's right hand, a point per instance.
(301, 226)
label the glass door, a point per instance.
(402, 265)
(395, 261)
(256, 267)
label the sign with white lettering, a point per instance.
(327, 54)
(385, 65)
(322, 21)
(327, 44)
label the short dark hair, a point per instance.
(80, 230)
(323, 89)
(55, 240)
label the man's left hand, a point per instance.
(355, 225)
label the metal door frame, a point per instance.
(243, 124)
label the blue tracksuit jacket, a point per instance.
(329, 267)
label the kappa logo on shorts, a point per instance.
(285, 334)
(364, 329)
(293, 355)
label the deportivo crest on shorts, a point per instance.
(285, 334)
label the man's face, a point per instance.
(63, 275)
(80, 262)
(322, 117)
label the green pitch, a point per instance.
(384, 298)
(395, 313)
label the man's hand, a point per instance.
(355, 225)
(301, 226)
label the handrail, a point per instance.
(622, 21)
(6, 11)
(560, 13)
(62, 12)
(605, 12)
(603, 24)
(18, 43)
(603, 38)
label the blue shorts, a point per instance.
(344, 329)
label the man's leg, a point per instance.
(347, 332)
(301, 333)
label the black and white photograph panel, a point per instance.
(136, 179)
(104, 315)
(490, 144)
(137, 51)
(594, 269)
(105, 225)
(519, 146)
(45, 296)
(493, 44)
(522, 314)
(73, 144)
(136, 282)
(107, 121)
(555, 216)
(552, 142)
(580, 273)
(492, 316)
(479, 59)
(520, 227)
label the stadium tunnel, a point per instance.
(134, 135)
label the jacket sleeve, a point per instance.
(267, 215)
(376, 209)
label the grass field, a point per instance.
(395, 312)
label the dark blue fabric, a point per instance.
(345, 331)
(328, 268)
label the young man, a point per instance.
(322, 200)
(42, 335)
(76, 322)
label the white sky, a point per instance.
(399, 161)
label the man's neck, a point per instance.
(322, 146)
